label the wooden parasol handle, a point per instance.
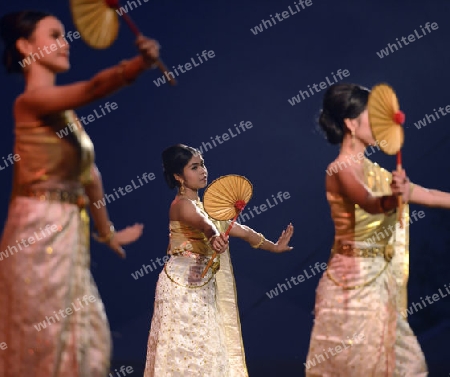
(399, 118)
(400, 199)
(114, 4)
(226, 234)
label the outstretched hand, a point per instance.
(125, 237)
(283, 242)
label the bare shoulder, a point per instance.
(331, 181)
(180, 206)
(22, 111)
(344, 170)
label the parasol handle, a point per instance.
(400, 199)
(215, 253)
(209, 264)
(159, 63)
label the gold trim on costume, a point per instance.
(352, 287)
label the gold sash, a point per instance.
(378, 180)
(227, 302)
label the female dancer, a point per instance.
(195, 329)
(53, 322)
(360, 326)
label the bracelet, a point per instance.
(261, 241)
(121, 68)
(105, 239)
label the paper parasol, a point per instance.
(386, 121)
(98, 24)
(224, 199)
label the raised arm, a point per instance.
(187, 212)
(257, 240)
(50, 99)
(416, 194)
(350, 186)
(429, 197)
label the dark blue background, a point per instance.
(251, 79)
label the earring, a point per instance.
(181, 189)
(353, 139)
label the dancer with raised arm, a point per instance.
(360, 326)
(53, 321)
(195, 330)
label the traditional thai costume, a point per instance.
(52, 321)
(195, 329)
(360, 326)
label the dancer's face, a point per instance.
(46, 46)
(195, 174)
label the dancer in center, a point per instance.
(360, 326)
(195, 330)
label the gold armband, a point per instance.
(261, 241)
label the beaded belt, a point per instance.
(350, 251)
(77, 197)
(387, 252)
(215, 267)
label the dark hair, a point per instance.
(175, 158)
(14, 26)
(341, 101)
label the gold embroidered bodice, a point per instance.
(355, 226)
(48, 160)
(186, 238)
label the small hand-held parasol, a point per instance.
(386, 121)
(224, 199)
(98, 24)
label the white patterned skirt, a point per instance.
(360, 332)
(52, 318)
(186, 336)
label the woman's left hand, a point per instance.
(283, 242)
(125, 237)
(400, 184)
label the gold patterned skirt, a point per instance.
(53, 322)
(360, 332)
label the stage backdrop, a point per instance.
(249, 99)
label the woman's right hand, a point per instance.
(400, 184)
(219, 243)
(149, 49)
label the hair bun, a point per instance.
(174, 159)
(333, 133)
(341, 101)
